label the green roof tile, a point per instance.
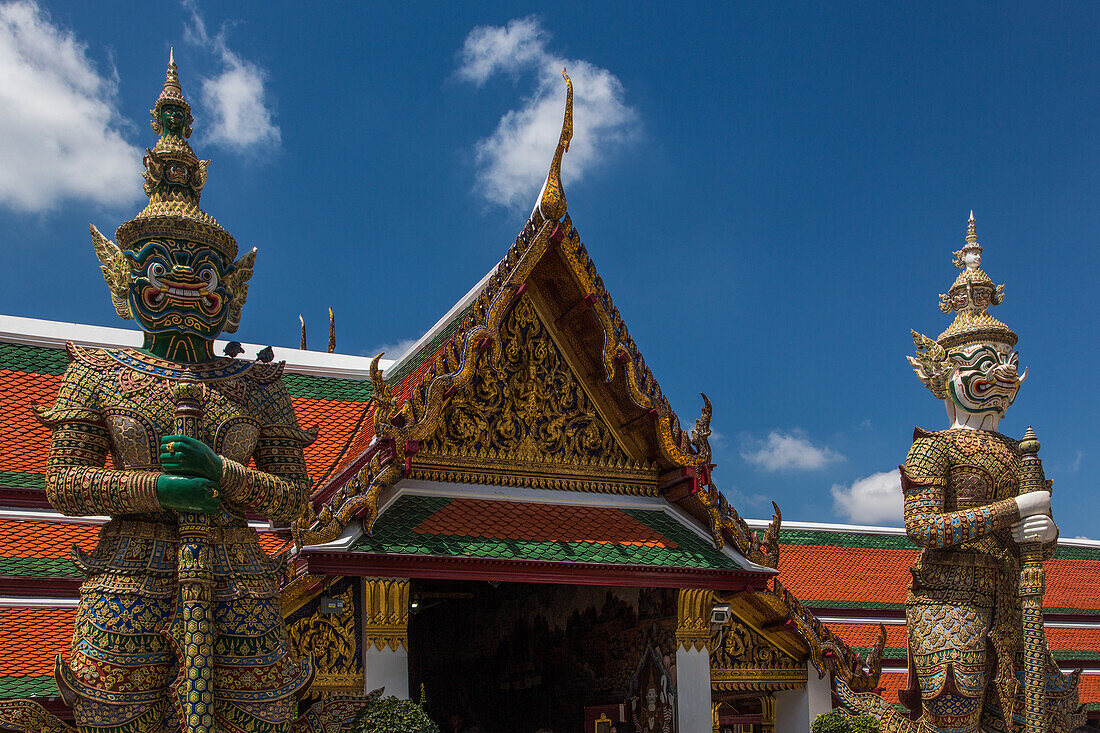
(328, 388)
(36, 359)
(49, 567)
(16, 687)
(47, 360)
(23, 479)
(821, 538)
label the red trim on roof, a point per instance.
(23, 586)
(436, 567)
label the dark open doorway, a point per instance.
(519, 658)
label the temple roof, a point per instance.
(438, 410)
(439, 531)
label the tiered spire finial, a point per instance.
(970, 298)
(174, 178)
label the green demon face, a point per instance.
(179, 286)
(173, 118)
(985, 378)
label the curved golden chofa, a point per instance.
(551, 203)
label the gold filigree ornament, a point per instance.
(330, 639)
(743, 660)
(528, 421)
(117, 272)
(932, 365)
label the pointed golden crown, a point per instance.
(970, 297)
(174, 179)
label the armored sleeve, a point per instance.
(924, 480)
(278, 487)
(77, 483)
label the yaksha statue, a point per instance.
(977, 504)
(179, 625)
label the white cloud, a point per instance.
(1075, 464)
(791, 451)
(60, 132)
(740, 499)
(873, 499)
(236, 98)
(392, 351)
(512, 162)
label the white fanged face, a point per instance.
(985, 379)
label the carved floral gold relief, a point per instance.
(330, 638)
(530, 412)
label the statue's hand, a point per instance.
(185, 456)
(1033, 502)
(1039, 528)
(187, 494)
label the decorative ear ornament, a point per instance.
(932, 365)
(237, 284)
(116, 271)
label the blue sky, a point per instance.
(771, 193)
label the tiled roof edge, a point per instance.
(54, 335)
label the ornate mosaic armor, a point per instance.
(960, 487)
(118, 404)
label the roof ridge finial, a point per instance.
(551, 204)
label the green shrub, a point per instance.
(838, 722)
(393, 715)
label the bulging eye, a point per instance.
(156, 269)
(210, 275)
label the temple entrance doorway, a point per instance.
(526, 657)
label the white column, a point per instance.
(385, 636)
(387, 668)
(795, 710)
(693, 711)
(819, 692)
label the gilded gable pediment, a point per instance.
(527, 420)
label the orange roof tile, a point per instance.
(45, 539)
(1089, 689)
(865, 635)
(35, 538)
(32, 637)
(1072, 584)
(891, 683)
(1060, 639)
(23, 440)
(515, 520)
(336, 420)
(860, 574)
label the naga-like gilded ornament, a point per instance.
(977, 504)
(179, 625)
